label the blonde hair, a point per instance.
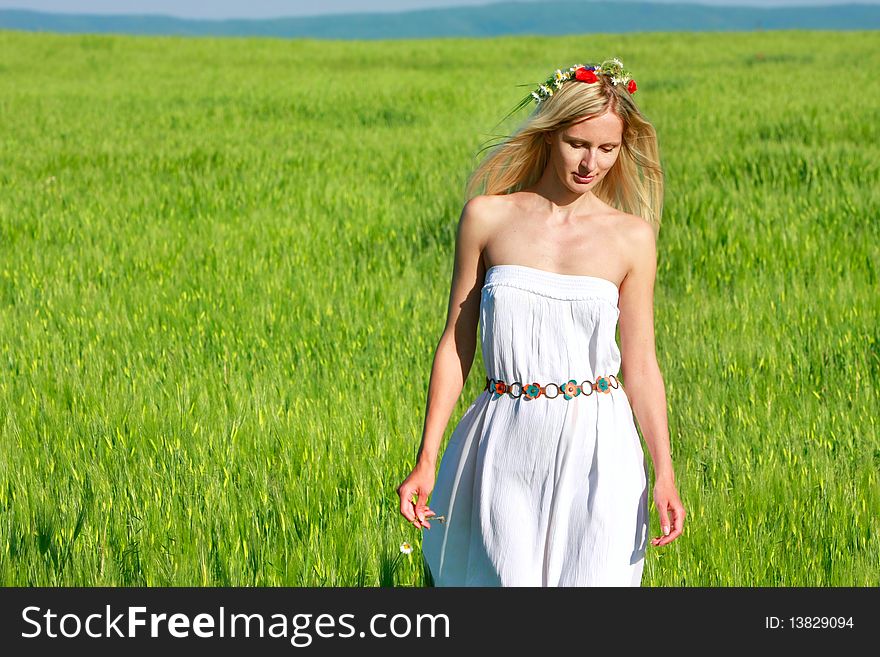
(633, 185)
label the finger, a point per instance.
(420, 509)
(421, 505)
(678, 524)
(674, 532)
(664, 518)
(665, 540)
(406, 507)
(677, 514)
(427, 513)
(661, 540)
(677, 528)
(414, 515)
(418, 505)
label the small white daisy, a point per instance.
(406, 548)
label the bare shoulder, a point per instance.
(486, 206)
(641, 243)
(478, 217)
(635, 227)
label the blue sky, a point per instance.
(273, 8)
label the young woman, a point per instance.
(544, 480)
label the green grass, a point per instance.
(224, 267)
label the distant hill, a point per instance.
(486, 20)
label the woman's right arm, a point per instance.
(453, 357)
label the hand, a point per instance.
(420, 482)
(669, 506)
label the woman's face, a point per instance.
(583, 153)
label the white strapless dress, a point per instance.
(543, 491)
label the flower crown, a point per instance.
(612, 68)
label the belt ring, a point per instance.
(557, 391)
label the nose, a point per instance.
(589, 160)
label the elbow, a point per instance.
(464, 347)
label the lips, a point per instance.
(588, 178)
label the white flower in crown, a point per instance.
(536, 97)
(559, 79)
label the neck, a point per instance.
(562, 199)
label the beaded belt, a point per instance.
(569, 390)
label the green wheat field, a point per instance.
(225, 264)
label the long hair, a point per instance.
(634, 184)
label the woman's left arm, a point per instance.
(641, 373)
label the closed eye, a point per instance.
(607, 150)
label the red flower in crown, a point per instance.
(585, 75)
(631, 87)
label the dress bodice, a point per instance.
(541, 326)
